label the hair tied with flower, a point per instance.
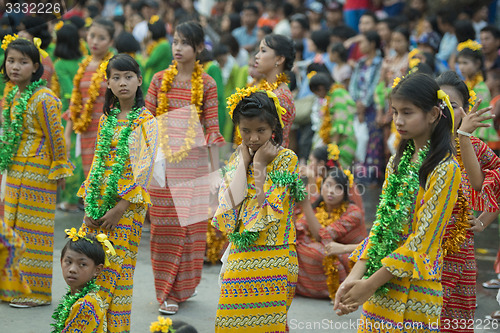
(311, 74)
(38, 43)
(76, 235)
(396, 81)
(154, 19)
(333, 155)
(163, 325)
(88, 22)
(103, 68)
(469, 44)
(59, 25)
(107, 246)
(446, 103)
(350, 177)
(7, 40)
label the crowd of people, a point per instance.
(244, 131)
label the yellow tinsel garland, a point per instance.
(54, 85)
(196, 100)
(457, 235)
(326, 125)
(82, 117)
(478, 78)
(214, 243)
(330, 264)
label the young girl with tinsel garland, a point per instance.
(256, 203)
(82, 260)
(89, 89)
(171, 96)
(397, 275)
(479, 191)
(471, 64)
(33, 162)
(115, 193)
(332, 217)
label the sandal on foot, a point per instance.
(25, 305)
(492, 284)
(194, 294)
(169, 312)
(495, 316)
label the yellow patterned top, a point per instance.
(88, 314)
(273, 220)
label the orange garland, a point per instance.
(82, 118)
(326, 125)
(280, 78)
(54, 85)
(475, 80)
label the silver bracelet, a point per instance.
(482, 224)
(464, 133)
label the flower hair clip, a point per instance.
(163, 325)
(103, 68)
(446, 102)
(311, 74)
(333, 155)
(88, 22)
(350, 177)
(59, 25)
(396, 81)
(76, 235)
(238, 96)
(7, 40)
(154, 19)
(469, 44)
(107, 247)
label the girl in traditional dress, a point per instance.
(68, 60)
(82, 260)
(471, 64)
(276, 56)
(177, 251)
(331, 218)
(397, 275)
(256, 202)
(33, 161)
(158, 50)
(479, 191)
(89, 89)
(115, 194)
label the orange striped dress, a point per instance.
(177, 251)
(286, 101)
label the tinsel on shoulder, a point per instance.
(12, 129)
(61, 313)
(393, 210)
(92, 207)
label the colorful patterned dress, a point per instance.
(348, 229)
(459, 269)
(415, 297)
(258, 285)
(117, 280)
(65, 71)
(30, 197)
(177, 251)
(88, 314)
(11, 251)
(287, 102)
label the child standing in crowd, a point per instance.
(33, 156)
(479, 191)
(182, 84)
(116, 198)
(401, 260)
(89, 89)
(82, 260)
(68, 60)
(258, 219)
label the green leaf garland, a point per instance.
(393, 210)
(63, 310)
(92, 208)
(13, 129)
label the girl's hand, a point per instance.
(110, 220)
(339, 305)
(266, 153)
(334, 248)
(359, 293)
(476, 224)
(90, 222)
(245, 154)
(475, 118)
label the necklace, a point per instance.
(13, 128)
(196, 100)
(82, 118)
(325, 218)
(92, 207)
(63, 310)
(393, 210)
(280, 78)
(478, 78)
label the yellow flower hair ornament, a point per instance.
(396, 82)
(311, 74)
(472, 99)
(414, 62)
(7, 40)
(350, 177)
(107, 246)
(38, 43)
(235, 98)
(59, 25)
(103, 67)
(333, 153)
(413, 53)
(469, 44)
(88, 22)
(281, 110)
(154, 19)
(446, 99)
(76, 235)
(163, 325)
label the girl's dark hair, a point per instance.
(108, 25)
(320, 80)
(27, 48)
(464, 30)
(341, 50)
(321, 39)
(267, 30)
(93, 249)
(231, 42)
(193, 32)
(373, 37)
(119, 19)
(301, 19)
(158, 30)
(125, 42)
(68, 42)
(372, 15)
(122, 62)
(282, 46)
(321, 154)
(37, 27)
(258, 104)
(421, 90)
(234, 21)
(451, 79)
(340, 178)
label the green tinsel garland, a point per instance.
(62, 311)
(243, 240)
(92, 208)
(13, 129)
(393, 210)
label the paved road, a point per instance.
(305, 315)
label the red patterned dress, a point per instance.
(459, 269)
(177, 251)
(286, 101)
